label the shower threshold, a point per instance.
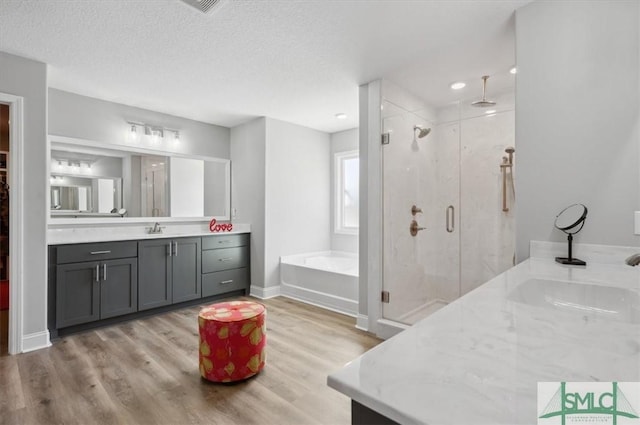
(422, 311)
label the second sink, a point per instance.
(586, 299)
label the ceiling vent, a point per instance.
(204, 6)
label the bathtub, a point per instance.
(327, 279)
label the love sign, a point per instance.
(222, 227)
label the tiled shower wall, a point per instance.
(457, 164)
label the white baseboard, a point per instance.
(320, 299)
(362, 322)
(35, 341)
(264, 293)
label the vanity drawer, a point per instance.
(96, 251)
(225, 281)
(216, 260)
(225, 241)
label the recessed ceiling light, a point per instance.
(341, 116)
(491, 111)
(458, 85)
(513, 70)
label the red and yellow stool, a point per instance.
(233, 336)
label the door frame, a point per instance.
(16, 228)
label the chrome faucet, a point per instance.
(156, 228)
(634, 260)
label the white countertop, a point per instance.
(132, 231)
(478, 360)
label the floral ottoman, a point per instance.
(232, 340)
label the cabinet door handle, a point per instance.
(175, 250)
(226, 282)
(170, 249)
(225, 241)
(99, 252)
(104, 272)
(225, 259)
(97, 272)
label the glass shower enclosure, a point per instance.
(445, 230)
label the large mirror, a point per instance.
(89, 179)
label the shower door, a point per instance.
(421, 273)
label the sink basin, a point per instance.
(585, 299)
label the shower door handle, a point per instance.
(451, 219)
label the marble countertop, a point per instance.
(133, 231)
(478, 360)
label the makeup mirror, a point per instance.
(570, 221)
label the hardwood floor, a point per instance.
(146, 371)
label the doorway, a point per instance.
(4, 230)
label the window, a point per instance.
(347, 167)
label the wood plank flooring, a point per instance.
(146, 372)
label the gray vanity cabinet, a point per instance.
(185, 276)
(154, 273)
(92, 290)
(77, 294)
(225, 264)
(169, 271)
(119, 287)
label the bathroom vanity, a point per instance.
(128, 232)
(479, 359)
(92, 283)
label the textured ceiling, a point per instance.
(295, 60)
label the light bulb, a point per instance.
(133, 133)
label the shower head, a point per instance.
(422, 132)
(484, 103)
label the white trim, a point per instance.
(362, 322)
(35, 341)
(264, 293)
(16, 228)
(320, 299)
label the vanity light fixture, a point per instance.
(341, 116)
(133, 133)
(85, 168)
(176, 134)
(458, 85)
(154, 133)
(513, 70)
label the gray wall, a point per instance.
(342, 141)
(28, 79)
(280, 185)
(297, 194)
(248, 143)
(84, 117)
(577, 119)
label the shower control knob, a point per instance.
(415, 210)
(414, 228)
